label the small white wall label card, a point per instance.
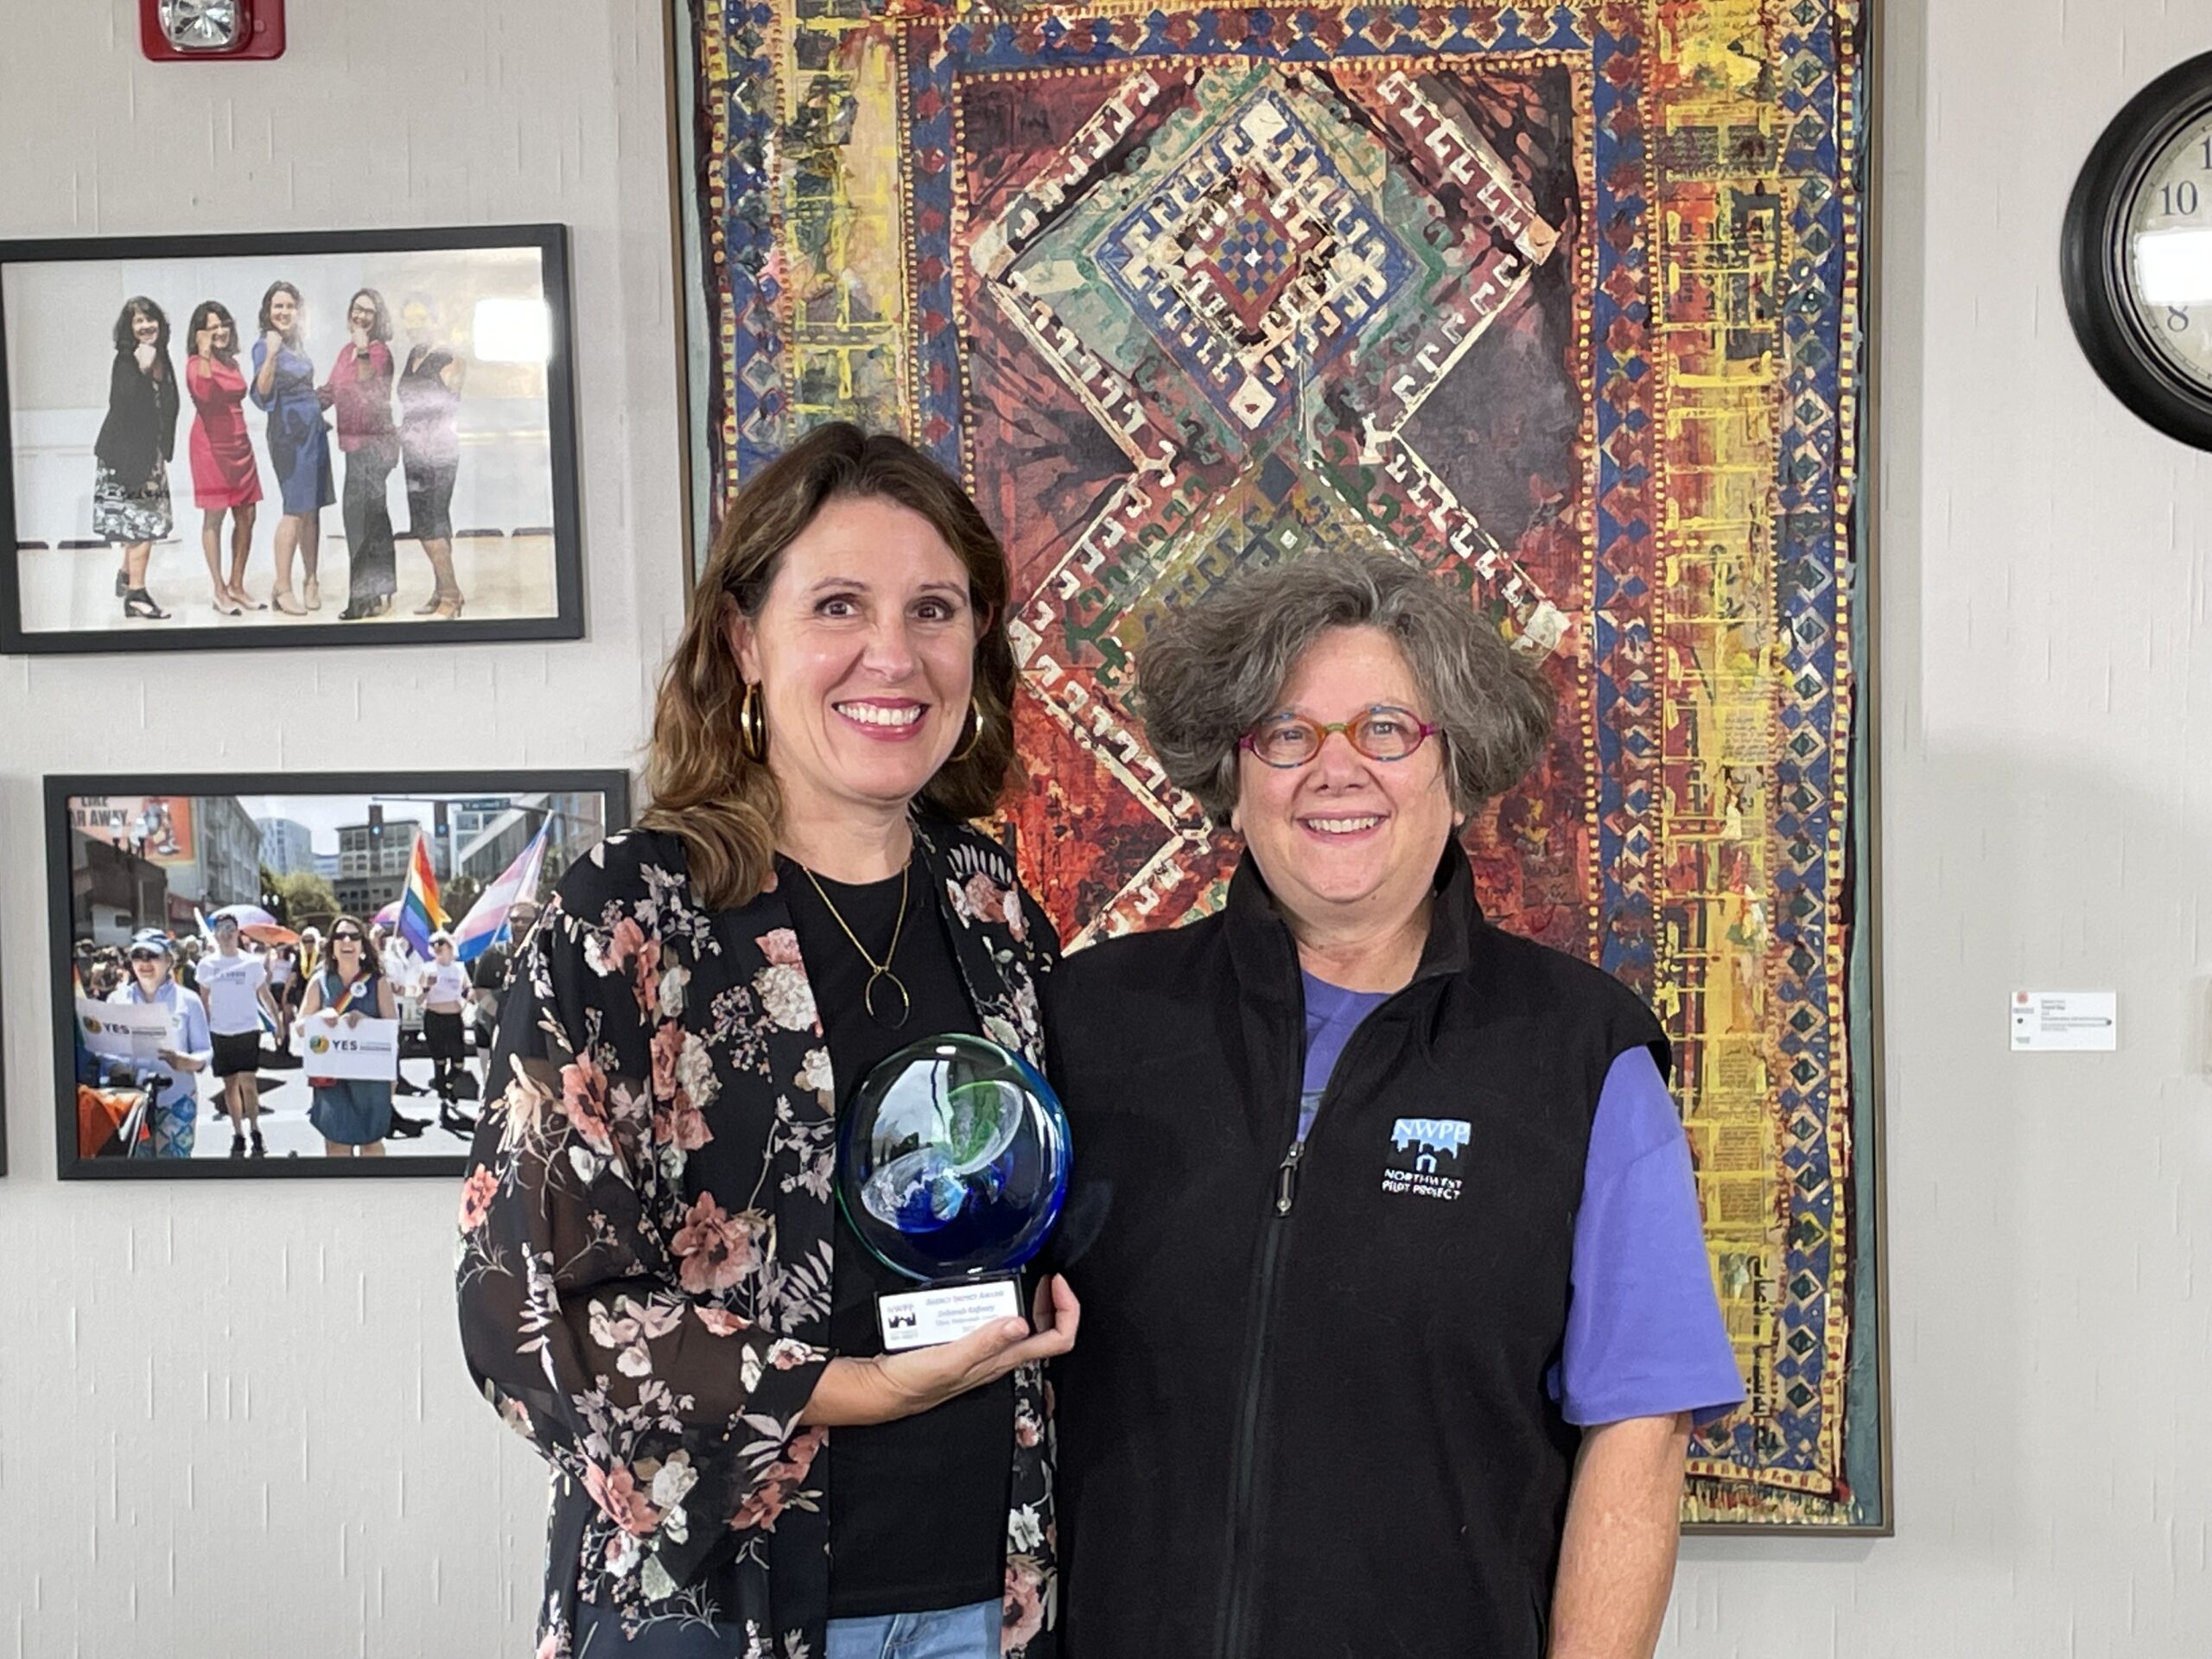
(2065, 1022)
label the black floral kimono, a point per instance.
(646, 1241)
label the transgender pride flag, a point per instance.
(486, 924)
(419, 915)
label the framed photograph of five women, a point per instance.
(357, 437)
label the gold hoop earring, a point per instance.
(753, 725)
(975, 742)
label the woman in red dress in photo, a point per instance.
(224, 477)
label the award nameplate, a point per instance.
(922, 1318)
(952, 1162)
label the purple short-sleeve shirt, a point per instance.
(1644, 1335)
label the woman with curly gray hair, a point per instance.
(1388, 1219)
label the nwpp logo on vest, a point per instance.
(1424, 1159)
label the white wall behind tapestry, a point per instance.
(2045, 656)
(233, 1419)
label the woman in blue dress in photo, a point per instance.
(352, 1114)
(298, 440)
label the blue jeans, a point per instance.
(957, 1633)
(971, 1632)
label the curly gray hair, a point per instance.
(1213, 670)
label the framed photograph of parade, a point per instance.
(1566, 304)
(240, 441)
(3, 1079)
(293, 974)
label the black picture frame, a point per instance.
(2092, 250)
(4, 1075)
(565, 620)
(614, 784)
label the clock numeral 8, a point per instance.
(2177, 319)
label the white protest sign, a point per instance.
(134, 1032)
(369, 1050)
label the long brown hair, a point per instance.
(703, 787)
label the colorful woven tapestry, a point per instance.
(1561, 303)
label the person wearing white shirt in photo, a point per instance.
(401, 967)
(177, 1063)
(234, 989)
(445, 993)
(283, 990)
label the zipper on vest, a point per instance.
(1231, 1636)
(1232, 1630)
(1286, 1178)
(1232, 1626)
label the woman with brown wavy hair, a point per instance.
(656, 1287)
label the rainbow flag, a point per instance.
(486, 924)
(419, 915)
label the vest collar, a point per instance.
(1266, 955)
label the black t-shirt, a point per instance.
(491, 973)
(918, 1507)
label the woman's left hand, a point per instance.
(1053, 1308)
(353, 1019)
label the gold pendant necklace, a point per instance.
(879, 972)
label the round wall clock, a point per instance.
(2137, 260)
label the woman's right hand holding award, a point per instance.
(952, 1163)
(892, 1386)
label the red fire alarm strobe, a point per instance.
(184, 31)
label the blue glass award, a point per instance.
(952, 1162)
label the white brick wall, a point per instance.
(233, 1420)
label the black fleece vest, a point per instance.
(1306, 1417)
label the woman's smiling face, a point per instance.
(1345, 839)
(864, 651)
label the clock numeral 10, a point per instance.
(2179, 198)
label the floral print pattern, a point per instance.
(646, 1242)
